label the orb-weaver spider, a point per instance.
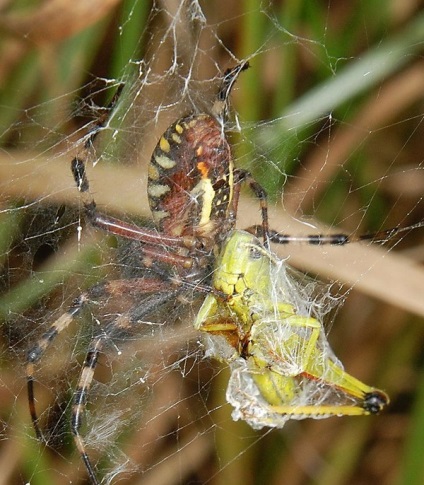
(193, 193)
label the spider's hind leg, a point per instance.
(124, 322)
(99, 292)
(38, 350)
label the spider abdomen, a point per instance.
(190, 180)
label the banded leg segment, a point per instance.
(36, 352)
(80, 401)
(331, 239)
(114, 290)
(134, 233)
(78, 164)
(124, 322)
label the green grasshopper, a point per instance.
(282, 366)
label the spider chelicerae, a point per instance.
(193, 192)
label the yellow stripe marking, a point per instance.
(205, 190)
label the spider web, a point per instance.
(328, 118)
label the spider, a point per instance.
(193, 192)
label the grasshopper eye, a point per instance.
(254, 253)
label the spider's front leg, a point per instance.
(245, 177)
(78, 168)
(332, 239)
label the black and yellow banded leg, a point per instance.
(122, 323)
(36, 352)
(332, 239)
(116, 289)
(80, 401)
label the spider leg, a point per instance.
(220, 106)
(78, 163)
(131, 231)
(332, 239)
(116, 288)
(135, 233)
(243, 176)
(36, 352)
(120, 324)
